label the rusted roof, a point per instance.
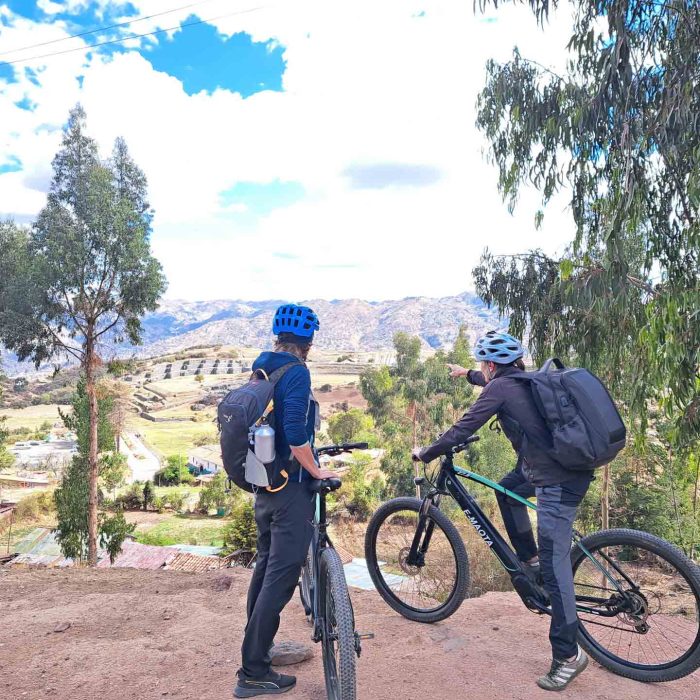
(39, 548)
(140, 556)
(193, 563)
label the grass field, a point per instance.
(183, 529)
(318, 379)
(31, 417)
(188, 385)
(170, 438)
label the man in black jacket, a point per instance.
(558, 491)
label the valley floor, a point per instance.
(155, 635)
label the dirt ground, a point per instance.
(160, 635)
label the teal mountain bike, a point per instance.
(638, 596)
(324, 595)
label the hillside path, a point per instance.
(141, 461)
(158, 635)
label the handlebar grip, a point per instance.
(355, 446)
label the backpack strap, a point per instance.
(273, 378)
(552, 361)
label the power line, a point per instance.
(131, 36)
(104, 29)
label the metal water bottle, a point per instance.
(264, 440)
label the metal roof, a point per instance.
(193, 563)
(139, 556)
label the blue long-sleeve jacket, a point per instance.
(294, 413)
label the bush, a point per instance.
(175, 500)
(325, 388)
(175, 472)
(361, 498)
(35, 506)
(241, 532)
(131, 499)
(159, 504)
(216, 495)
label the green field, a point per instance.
(184, 529)
(31, 417)
(170, 438)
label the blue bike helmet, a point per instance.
(498, 347)
(296, 323)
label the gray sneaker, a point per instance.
(563, 672)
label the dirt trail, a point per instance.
(151, 635)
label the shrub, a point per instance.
(35, 506)
(325, 388)
(216, 495)
(241, 532)
(175, 472)
(131, 499)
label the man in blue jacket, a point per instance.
(284, 515)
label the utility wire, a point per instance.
(131, 36)
(104, 29)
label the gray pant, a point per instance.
(556, 512)
(285, 526)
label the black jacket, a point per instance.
(510, 400)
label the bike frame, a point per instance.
(319, 541)
(449, 483)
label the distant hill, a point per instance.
(346, 324)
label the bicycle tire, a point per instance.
(338, 629)
(461, 587)
(686, 664)
(305, 587)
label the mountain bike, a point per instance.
(637, 596)
(324, 595)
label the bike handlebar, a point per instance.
(345, 447)
(465, 444)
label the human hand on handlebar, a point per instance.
(457, 371)
(415, 454)
(325, 474)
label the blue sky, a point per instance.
(336, 141)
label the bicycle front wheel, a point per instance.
(639, 605)
(433, 587)
(338, 629)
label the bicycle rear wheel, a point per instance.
(655, 633)
(432, 589)
(338, 629)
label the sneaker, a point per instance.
(271, 684)
(563, 672)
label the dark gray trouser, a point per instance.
(556, 511)
(515, 516)
(285, 526)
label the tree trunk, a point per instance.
(90, 363)
(605, 498)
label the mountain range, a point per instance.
(346, 324)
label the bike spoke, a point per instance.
(427, 584)
(657, 613)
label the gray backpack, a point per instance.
(237, 414)
(584, 424)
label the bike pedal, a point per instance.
(367, 635)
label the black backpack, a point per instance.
(237, 414)
(585, 426)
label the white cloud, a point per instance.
(366, 84)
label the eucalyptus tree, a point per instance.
(618, 131)
(83, 275)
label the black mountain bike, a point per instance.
(324, 595)
(638, 596)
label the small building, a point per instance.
(22, 482)
(205, 460)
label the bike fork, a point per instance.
(416, 555)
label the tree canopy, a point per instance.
(619, 131)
